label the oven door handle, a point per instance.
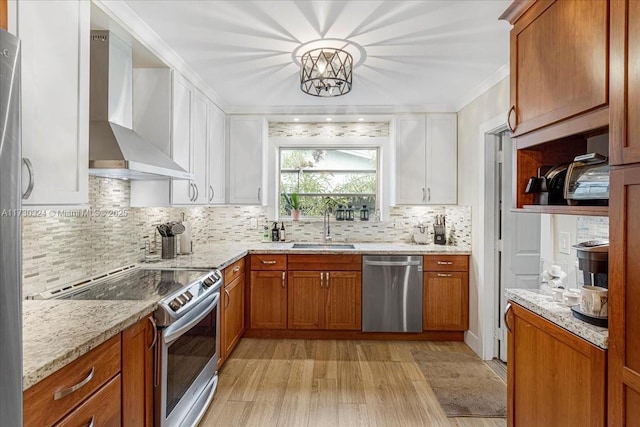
(169, 336)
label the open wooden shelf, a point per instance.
(565, 210)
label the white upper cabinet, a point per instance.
(246, 146)
(216, 168)
(182, 191)
(189, 146)
(426, 159)
(55, 101)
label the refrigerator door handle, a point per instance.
(29, 190)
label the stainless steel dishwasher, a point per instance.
(391, 293)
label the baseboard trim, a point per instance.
(354, 335)
(473, 342)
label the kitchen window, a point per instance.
(328, 177)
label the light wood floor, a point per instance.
(313, 383)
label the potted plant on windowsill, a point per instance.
(292, 203)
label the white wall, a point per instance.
(491, 104)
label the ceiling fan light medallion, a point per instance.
(326, 72)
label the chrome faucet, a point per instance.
(326, 232)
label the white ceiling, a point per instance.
(420, 55)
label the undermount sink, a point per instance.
(323, 246)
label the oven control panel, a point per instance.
(174, 306)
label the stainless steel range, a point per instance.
(187, 322)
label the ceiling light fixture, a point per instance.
(326, 72)
(296, 119)
(329, 119)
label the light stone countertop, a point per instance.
(223, 254)
(561, 315)
(56, 332)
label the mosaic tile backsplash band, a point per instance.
(67, 246)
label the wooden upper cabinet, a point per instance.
(624, 129)
(624, 299)
(559, 61)
(3, 14)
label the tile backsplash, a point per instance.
(66, 246)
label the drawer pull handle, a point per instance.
(327, 280)
(228, 298)
(445, 262)
(445, 275)
(91, 422)
(284, 277)
(506, 313)
(155, 331)
(236, 268)
(269, 262)
(321, 279)
(67, 391)
(512, 110)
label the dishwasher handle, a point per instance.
(394, 263)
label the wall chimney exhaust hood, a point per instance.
(115, 150)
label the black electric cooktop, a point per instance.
(135, 284)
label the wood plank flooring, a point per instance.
(317, 383)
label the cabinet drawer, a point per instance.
(233, 271)
(346, 262)
(48, 401)
(268, 262)
(445, 263)
(101, 409)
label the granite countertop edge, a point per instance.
(36, 374)
(544, 306)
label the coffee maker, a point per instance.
(593, 262)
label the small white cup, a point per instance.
(572, 298)
(558, 294)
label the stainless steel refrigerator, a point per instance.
(10, 234)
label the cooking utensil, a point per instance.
(176, 228)
(163, 230)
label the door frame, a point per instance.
(484, 249)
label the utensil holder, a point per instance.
(169, 247)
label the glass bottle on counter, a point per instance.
(282, 233)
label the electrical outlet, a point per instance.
(564, 244)
(253, 223)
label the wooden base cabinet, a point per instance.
(325, 300)
(137, 373)
(232, 326)
(445, 303)
(554, 378)
(268, 294)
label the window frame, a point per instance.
(355, 171)
(385, 167)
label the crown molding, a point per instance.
(349, 110)
(484, 86)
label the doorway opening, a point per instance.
(512, 239)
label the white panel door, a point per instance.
(410, 142)
(199, 147)
(442, 159)
(245, 160)
(520, 254)
(55, 100)
(216, 155)
(182, 191)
